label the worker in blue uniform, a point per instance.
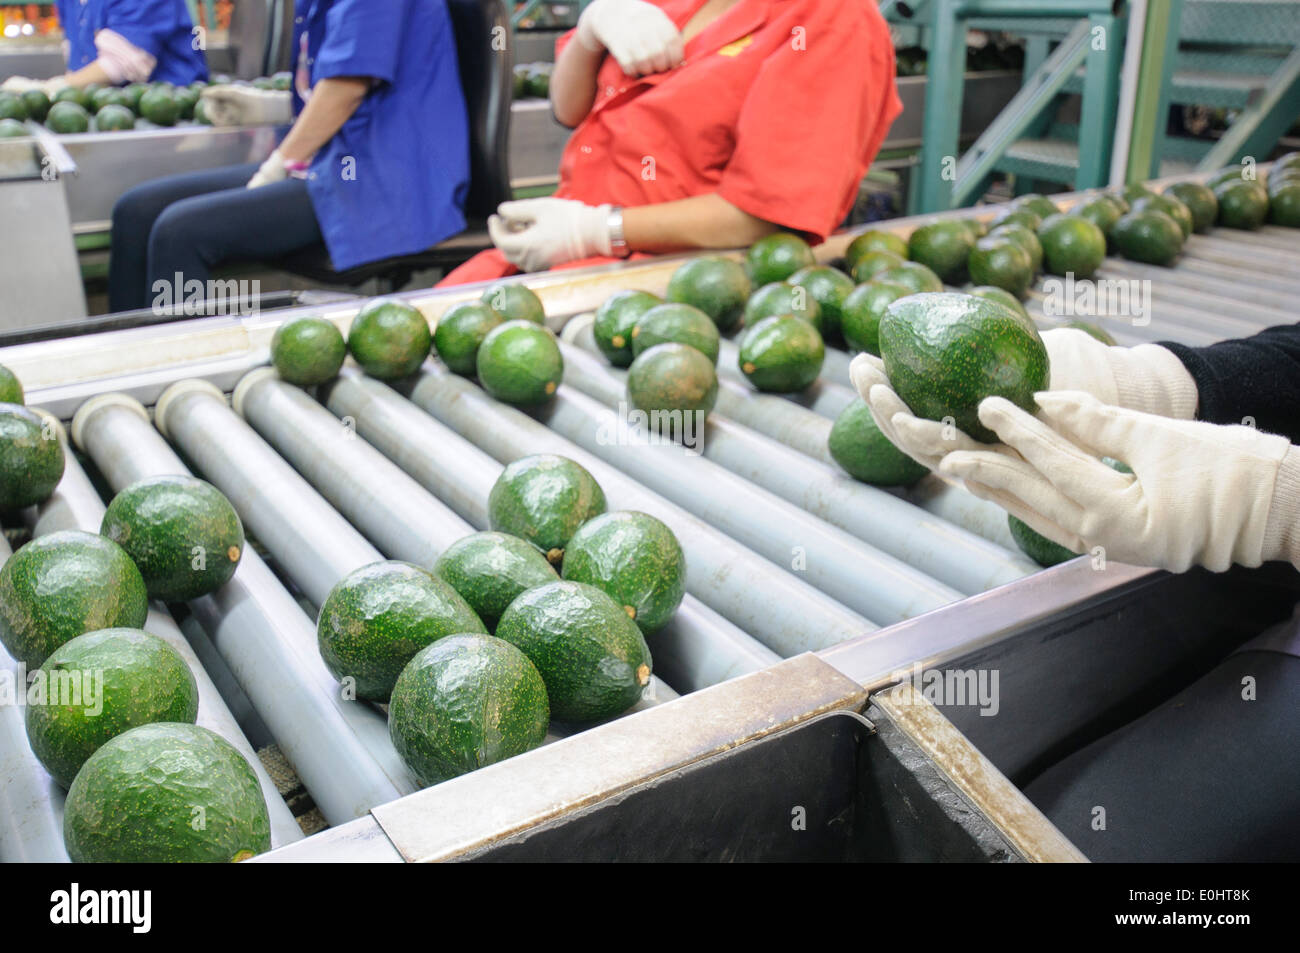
(375, 164)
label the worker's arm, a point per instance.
(573, 83)
(92, 72)
(702, 221)
(332, 103)
(119, 61)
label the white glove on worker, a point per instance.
(230, 105)
(1199, 494)
(272, 170)
(21, 84)
(536, 234)
(639, 35)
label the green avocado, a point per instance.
(669, 382)
(1149, 236)
(378, 617)
(12, 106)
(1002, 262)
(113, 117)
(1071, 245)
(781, 354)
(1101, 334)
(110, 96)
(592, 657)
(1025, 237)
(781, 297)
(13, 129)
(872, 262)
(1199, 200)
(514, 302)
(159, 106)
(615, 320)
(1284, 206)
(717, 286)
(490, 569)
(1040, 205)
(1242, 204)
(1017, 215)
(828, 287)
(1102, 211)
(634, 559)
(83, 96)
(67, 118)
(1002, 297)
(866, 454)
(863, 310)
(520, 363)
(776, 257)
(11, 391)
(543, 499)
(677, 323)
(180, 531)
(874, 241)
(460, 333)
(31, 457)
(1036, 546)
(1171, 206)
(389, 338)
(910, 274)
(308, 351)
(37, 103)
(134, 93)
(943, 247)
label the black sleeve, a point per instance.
(1256, 377)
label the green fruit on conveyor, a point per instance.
(538, 80)
(460, 333)
(1134, 191)
(134, 92)
(12, 129)
(999, 295)
(946, 352)
(1284, 206)
(63, 585)
(781, 354)
(37, 103)
(1289, 161)
(70, 94)
(67, 118)
(378, 617)
(11, 390)
(31, 457)
(635, 560)
(1171, 206)
(910, 274)
(463, 703)
(490, 569)
(519, 86)
(201, 113)
(1023, 236)
(863, 309)
(520, 363)
(1149, 236)
(389, 338)
(717, 286)
(1017, 215)
(113, 118)
(776, 257)
(159, 106)
(12, 106)
(592, 657)
(1242, 204)
(1199, 200)
(943, 247)
(180, 531)
(1003, 263)
(99, 685)
(1036, 546)
(514, 302)
(615, 320)
(872, 262)
(1101, 334)
(1040, 205)
(781, 297)
(186, 101)
(110, 96)
(875, 241)
(669, 382)
(166, 793)
(308, 351)
(828, 287)
(1280, 178)
(1071, 245)
(676, 323)
(1103, 211)
(282, 80)
(866, 454)
(544, 498)
(262, 82)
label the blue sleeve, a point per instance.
(143, 23)
(362, 38)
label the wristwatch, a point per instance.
(617, 243)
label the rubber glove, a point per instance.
(1199, 494)
(639, 35)
(272, 170)
(231, 105)
(536, 234)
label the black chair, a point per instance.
(486, 78)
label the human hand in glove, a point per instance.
(536, 234)
(639, 35)
(21, 84)
(230, 105)
(1199, 494)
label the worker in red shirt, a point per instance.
(702, 124)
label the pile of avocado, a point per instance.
(532, 80)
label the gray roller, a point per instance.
(785, 613)
(696, 649)
(267, 641)
(963, 560)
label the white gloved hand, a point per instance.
(639, 35)
(536, 234)
(230, 105)
(21, 84)
(1199, 494)
(1147, 378)
(272, 170)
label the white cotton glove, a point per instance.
(639, 35)
(1199, 494)
(1147, 378)
(536, 234)
(21, 84)
(230, 105)
(272, 170)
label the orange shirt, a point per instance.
(779, 108)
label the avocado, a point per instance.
(166, 793)
(83, 97)
(673, 322)
(63, 585)
(544, 498)
(943, 247)
(67, 118)
(539, 80)
(1040, 205)
(781, 297)
(872, 263)
(134, 92)
(1036, 546)
(514, 302)
(113, 118)
(863, 310)
(201, 113)
(1149, 236)
(465, 702)
(37, 103)
(669, 381)
(110, 96)
(99, 685)
(378, 617)
(308, 351)
(31, 457)
(1171, 206)
(12, 106)
(282, 81)
(519, 86)
(1280, 178)
(1071, 245)
(13, 129)
(389, 338)
(460, 333)
(1017, 215)
(910, 274)
(776, 257)
(1000, 296)
(490, 569)
(591, 656)
(1199, 200)
(1284, 206)
(1102, 211)
(1002, 262)
(875, 241)
(717, 286)
(781, 354)
(1026, 238)
(186, 101)
(1242, 204)
(520, 363)
(180, 531)
(946, 352)
(1101, 334)
(159, 106)
(866, 454)
(11, 391)
(828, 287)
(1231, 173)
(615, 320)
(634, 559)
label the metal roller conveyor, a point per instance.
(76, 505)
(701, 649)
(959, 559)
(266, 639)
(784, 613)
